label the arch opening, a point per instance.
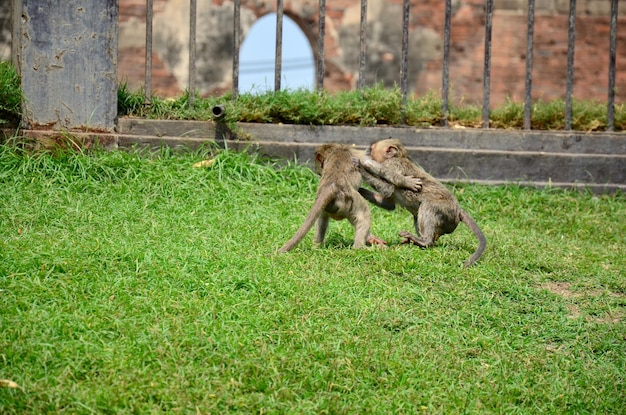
(257, 54)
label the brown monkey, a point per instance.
(338, 197)
(383, 179)
(435, 210)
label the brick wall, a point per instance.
(341, 47)
(549, 53)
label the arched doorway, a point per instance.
(257, 53)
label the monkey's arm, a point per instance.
(377, 199)
(375, 168)
(383, 187)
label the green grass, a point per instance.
(135, 283)
(10, 94)
(374, 105)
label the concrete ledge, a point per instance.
(596, 161)
(539, 158)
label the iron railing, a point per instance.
(320, 64)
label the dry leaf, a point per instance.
(5, 383)
(204, 163)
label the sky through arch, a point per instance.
(257, 53)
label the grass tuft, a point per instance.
(10, 94)
(371, 106)
(374, 105)
(132, 282)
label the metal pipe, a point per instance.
(529, 64)
(236, 44)
(218, 111)
(320, 45)
(487, 71)
(363, 43)
(222, 133)
(571, 41)
(404, 67)
(612, 52)
(148, 74)
(192, 52)
(17, 7)
(445, 76)
(279, 45)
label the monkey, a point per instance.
(382, 179)
(435, 209)
(338, 198)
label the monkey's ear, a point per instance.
(319, 160)
(391, 151)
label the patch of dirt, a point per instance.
(564, 290)
(559, 288)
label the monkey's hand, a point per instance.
(413, 183)
(356, 161)
(375, 240)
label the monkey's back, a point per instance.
(339, 168)
(432, 191)
(341, 176)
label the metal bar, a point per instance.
(445, 76)
(320, 45)
(279, 45)
(529, 64)
(363, 43)
(487, 71)
(405, 56)
(16, 34)
(192, 52)
(236, 44)
(148, 76)
(612, 52)
(569, 82)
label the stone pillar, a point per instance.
(66, 54)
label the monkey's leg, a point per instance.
(425, 226)
(378, 199)
(408, 236)
(361, 234)
(360, 218)
(321, 226)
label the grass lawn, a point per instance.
(136, 283)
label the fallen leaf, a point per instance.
(204, 163)
(5, 383)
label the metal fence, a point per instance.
(404, 59)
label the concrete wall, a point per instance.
(67, 58)
(595, 161)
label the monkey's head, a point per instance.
(386, 149)
(321, 154)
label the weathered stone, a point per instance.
(67, 61)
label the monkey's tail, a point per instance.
(321, 201)
(482, 241)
